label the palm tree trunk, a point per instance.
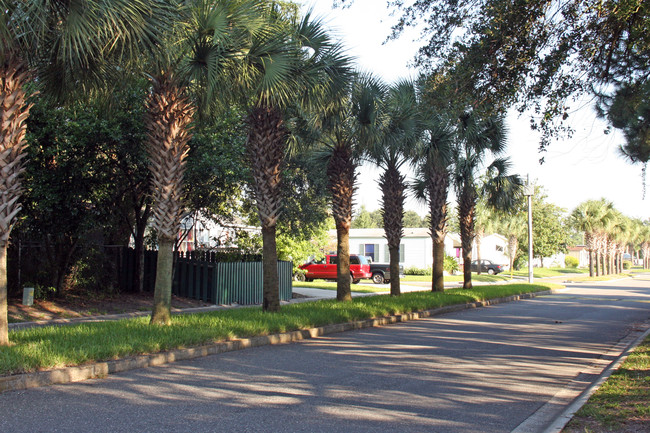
(392, 187)
(168, 121)
(478, 239)
(438, 188)
(438, 276)
(394, 271)
(266, 142)
(4, 322)
(466, 205)
(341, 181)
(591, 263)
(162, 295)
(271, 281)
(343, 289)
(512, 251)
(14, 111)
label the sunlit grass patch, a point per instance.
(622, 403)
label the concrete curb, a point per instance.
(576, 405)
(102, 369)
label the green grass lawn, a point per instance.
(58, 346)
(622, 403)
(331, 285)
(456, 278)
(550, 272)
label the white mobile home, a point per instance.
(416, 249)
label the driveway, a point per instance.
(489, 369)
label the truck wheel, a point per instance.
(378, 278)
(491, 271)
(301, 277)
(356, 281)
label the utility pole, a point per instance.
(529, 190)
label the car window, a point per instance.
(334, 260)
(354, 260)
(364, 260)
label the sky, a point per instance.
(585, 166)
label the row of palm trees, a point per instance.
(293, 81)
(199, 56)
(608, 235)
(394, 127)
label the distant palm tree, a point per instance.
(348, 129)
(591, 217)
(433, 160)
(512, 226)
(60, 50)
(391, 152)
(477, 138)
(484, 222)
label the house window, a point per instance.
(499, 248)
(402, 251)
(370, 250)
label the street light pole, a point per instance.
(529, 190)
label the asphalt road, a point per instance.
(484, 370)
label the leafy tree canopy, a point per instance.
(536, 54)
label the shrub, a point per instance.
(571, 262)
(418, 271)
(627, 264)
(451, 264)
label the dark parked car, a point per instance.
(381, 272)
(488, 267)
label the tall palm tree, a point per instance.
(60, 48)
(477, 138)
(201, 48)
(348, 129)
(590, 217)
(433, 159)
(294, 63)
(391, 153)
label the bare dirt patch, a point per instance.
(85, 305)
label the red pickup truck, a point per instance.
(326, 269)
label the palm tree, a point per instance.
(590, 217)
(59, 50)
(483, 223)
(291, 64)
(512, 226)
(201, 47)
(391, 153)
(477, 138)
(350, 127)
(433, 159)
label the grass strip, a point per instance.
(484, 278)
(622, 403)
(599, 278)
(549, 272)
(58, 346)
(329, 285)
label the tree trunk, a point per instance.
(598, 263)
(4, 322)
(438, 276)
(438, 186)
(394, 271)
(591, 263)
(392, 187)
(271, 279)
(162, 295)
(478, 239)
(343, 289)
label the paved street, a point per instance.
(488, 370)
